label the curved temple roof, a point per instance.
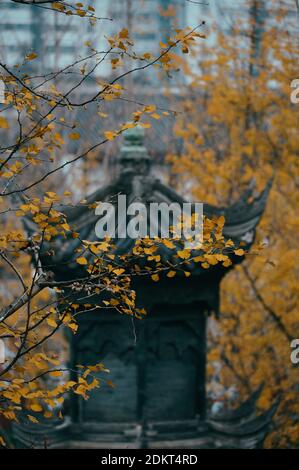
(241, 428)
(136, 181)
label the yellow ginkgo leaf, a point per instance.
(124, 33)
(184, 254)
(73, 326)
(227, 263)
(171, 274)
(31, 56)
(32, 419)
(55, 373)
(81, 260)
(239, 252)
(118, 272)
(7, 174)
(74, 135)
(36, 407)
(109, 135)
(3, 123)
(51, 322)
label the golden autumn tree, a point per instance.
(40, 148)
(239, 128)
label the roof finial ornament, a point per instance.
(134, 157)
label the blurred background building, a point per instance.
(24, 28)
(150, 21)
(55, 38)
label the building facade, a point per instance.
(54, 37)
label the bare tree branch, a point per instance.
(266, 307)
(36, 2)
